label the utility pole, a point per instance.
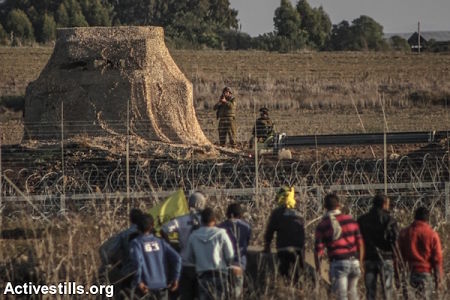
(418, 37)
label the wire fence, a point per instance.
(77, 163)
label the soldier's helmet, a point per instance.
(264, 110)
(227, 89)
(197, 200)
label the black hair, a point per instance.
(331, 201)
(234, 210)
(422, 214)
(145, 223)
(135, 214)
(379, 200)
(208, 215)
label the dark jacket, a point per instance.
(264, 127)
(239, 233)
(227, 109)
(380, 231)
(289, 226)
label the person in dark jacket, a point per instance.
(115, 253)
(226, 113)
(157, 264)
(289, 226)
(239, 233)
(263, 126)
(380, 231)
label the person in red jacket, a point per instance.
(420, 247)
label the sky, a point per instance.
(396, 16)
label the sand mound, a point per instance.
(96, 72)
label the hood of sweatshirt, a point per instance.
(206, 234)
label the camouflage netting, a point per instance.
(96, 71)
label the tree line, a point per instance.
(193, 24)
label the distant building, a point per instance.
(438, 40)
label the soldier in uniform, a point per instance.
(263, 127)
(225, 113)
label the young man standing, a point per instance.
(211, 251)
(287, 223)
(339, 234)
(420, 247)
(184, 226)
(157, 264)
(239, 233)
(380, 231)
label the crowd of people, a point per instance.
(210, 258)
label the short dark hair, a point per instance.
(422, 214)
(135, 214)
(379, 200)
(234, 210)
(331, 201)
(145, 222)
(208, 215)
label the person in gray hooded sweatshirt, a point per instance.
(211, 251)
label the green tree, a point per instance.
(363, 34)
(3, 36)
(96, 13)
(367, 34)
(75, 14)
(288, 29)
(322, 35)
(18, 23)
(399, 44)
(48, 29)
(62, 17)
(316, 22)
(222, 14)
(341, 37)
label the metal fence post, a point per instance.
(1, 174)
(447, 201)
(127, 163)
(63, 195)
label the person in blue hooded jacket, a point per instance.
(157, 264)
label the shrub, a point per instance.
(18, 23)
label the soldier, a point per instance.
(225, 112)
(263, 127)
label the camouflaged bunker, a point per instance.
(104, 78)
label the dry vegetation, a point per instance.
(301, 88)
(65, 248)
(297, 80)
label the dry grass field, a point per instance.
(308, 92)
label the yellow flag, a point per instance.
(175, 205)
